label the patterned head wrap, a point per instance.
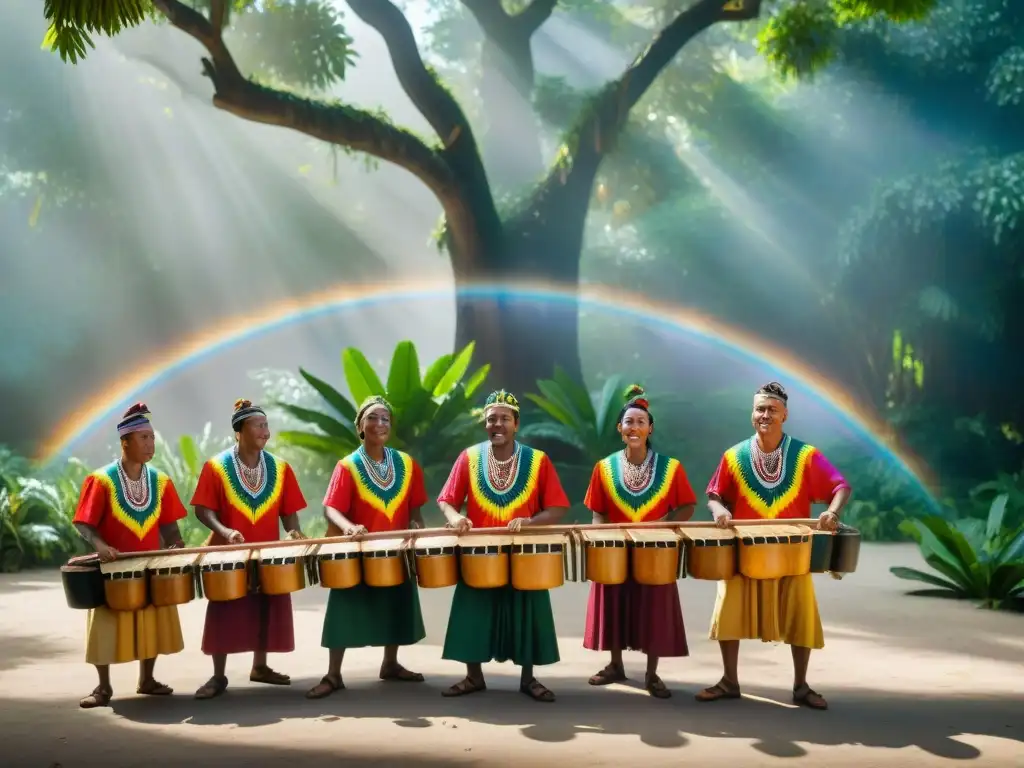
(775, 391)
(135, 419)
(368, 403)
(501, 399)
(243, 410)
(634, 397)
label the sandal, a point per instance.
(464, 687)
(537, 691)
(805, 695)
(400, 673)
(100, 697)
(720, 690)
(325, 688)
(268, 676)
(656, 687)
(153, 688)
(212, 688)
(608, 675)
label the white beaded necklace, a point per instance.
(253, 478)
(136, 492)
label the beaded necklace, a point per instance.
(502, 474)
(136, 492)
(769, 467)
(637, 477)
(253, 478)
(381, 473)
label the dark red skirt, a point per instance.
(635, 617)
(251, 623)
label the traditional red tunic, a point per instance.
(357, 497)
(631, 616)
(103, 505)
(808, 478)
(536, 488)
(255, 622)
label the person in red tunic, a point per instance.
(244, 494)
(637, 485)
(375, 488)
(128, 506)
(771, 476)
(505, 484)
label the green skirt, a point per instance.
(371, 617)
(501, 625)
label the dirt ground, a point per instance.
(911, 681)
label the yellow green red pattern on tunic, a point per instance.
(387, 500)
(503, 505)
(252, 506)
(637, 506)
(139, 521)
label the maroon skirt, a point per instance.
(251, 623)
(635, 617)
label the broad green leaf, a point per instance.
(334, 398)
(947, 542)
(404, 374)
(610, 404)
(551, 409)
(190, 455)
(973, 531)
(551, 431)
(1006, 579)
(577, 395)
(330, 447)
(912, 574)
(455, 371)
(449, 409)
(476, 380)
(416, 413)
(437, 369)
(996, 514)
(363, 382)
(554, 394)
(327, 423)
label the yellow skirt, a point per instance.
(116, 637)
(771, 610)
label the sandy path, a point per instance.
(911, 682)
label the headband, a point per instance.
(775, 391)
(135, 419)
(243, 410)
(501, 399)
(634, 397)
(369, 403)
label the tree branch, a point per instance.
(335, 124)
(609, 112)
(497, 24)
(533, 16)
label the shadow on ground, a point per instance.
(777, 728)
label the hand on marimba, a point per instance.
(723, 520)
(296, 535)
(234, 537)
(828, 521)
(461, 526)
(515, 524)
(355, 530)
(107, 553)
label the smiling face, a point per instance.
(635, 427)
(139, 447)
(501, 424)
(768, 416)
(254, 433)
(376, 425)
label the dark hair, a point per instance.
(634, 395)
(774, 389)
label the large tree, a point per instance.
(540, 235)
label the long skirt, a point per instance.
(770, 610)
(371, 617)
(501, 624)
(251, 623)
(117, 637)
(635, 617)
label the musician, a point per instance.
(771, 475)
(502, 483)
(242, 494)
(637, 485)
(128, 506)
(375, 488)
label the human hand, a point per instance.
(461, 525)
(723, 519)
(828, 521)
(355, 530)
(516, 524)
(107, 553)
(296, 535)
(234, 537)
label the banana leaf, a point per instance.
(333, 397)
(912, 574)
(404, 375)
(363, 381)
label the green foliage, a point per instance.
(800, 39)
(433, 413)
(576, 420)
(982, 560)
(74, 22)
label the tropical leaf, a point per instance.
(609, 405)
(476, 380)
(578, 396)
(912, 574)
(455, 371)
(553, 410)
(363, 381)
(554, 394)
(328, 424)
(404, 374)
(189, 453)
(546, 430)
(333, 397)
(996, 514)
(973, 531)
(322, 444)
(436, 371)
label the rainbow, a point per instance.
(111, 398)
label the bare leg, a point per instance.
(802, 692)
(390, 669)
(147, 684)
(729, 686)
(100, 697)
(332, 681)
(533, 688)
(654, 684)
